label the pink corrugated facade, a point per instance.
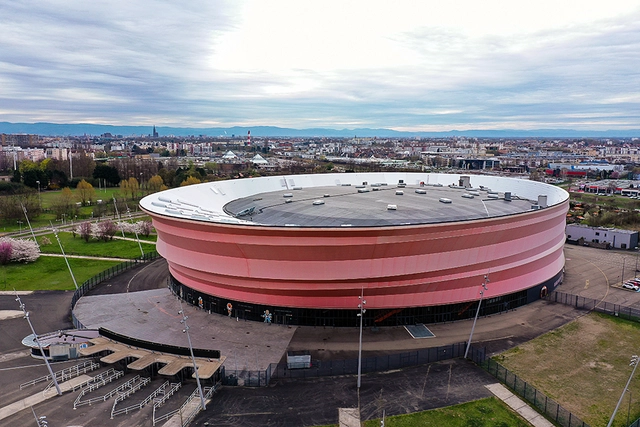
(402, 266)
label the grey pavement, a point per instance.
(153, 316)
(518, 405)
(591, 273)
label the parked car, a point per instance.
(631, 286)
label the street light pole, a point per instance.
(193, 359)
(634, 363)
(362, 311)
(39, 198)
(35, 337)
(55, 233)
(484, 288)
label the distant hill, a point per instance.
(78, 129)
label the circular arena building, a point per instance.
(301, 249)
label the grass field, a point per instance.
(49, 273)
(48, 198)
(489, 412)
(584, 366)
(112, 248)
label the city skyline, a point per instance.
(415, 67)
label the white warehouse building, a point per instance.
(618, 239)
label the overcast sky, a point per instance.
(404, 65)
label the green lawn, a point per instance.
(77, 246)
(489, 412)
(49, 273)
(583, 365)
(49, 197)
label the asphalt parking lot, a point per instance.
(591, 273)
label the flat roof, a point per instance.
(369, 206)
(261, 202)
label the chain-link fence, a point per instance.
(589, 304)
(544, 404)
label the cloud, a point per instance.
(413, 65)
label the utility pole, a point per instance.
(361, 305)
(193, 359)
(35, 337)
(484, 288)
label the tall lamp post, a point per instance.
(39, 198)
(475, 319)
(361, 305)
(634, 363)
(193, 359)
(35, 337)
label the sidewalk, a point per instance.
(101, 258)
(515, 403)
(41, 397)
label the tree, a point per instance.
(190, 181)
(106, 230)
(108, 173)
(156, 184)
(145, 228)
(64, 204)
(85, 192)
(124, 188)
(133, 187)
(5, 253)
(22, 250)
(84, 229)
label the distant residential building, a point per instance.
(57, 153)
(617, 238)
(20, 140)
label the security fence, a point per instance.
(589, 304)
(106, 274)
(551, 409)
(325, 368)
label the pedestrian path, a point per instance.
(101, 258)
(515, 403)
(39, 397)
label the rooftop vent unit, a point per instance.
(493, 196)
(542, 200)
(363, 190)
(297, 188)
(474, 193)
(360, 186)
(535, 207)
(399, 192)
(285, 195)
(318, 202)
(420, 191)
(375, 189)
(468, 196)
(392, 207)
(288, 201)
(465, 181)
(444, 200)
(507, 196)
(401, 185)
(346, 185)
(327, 195)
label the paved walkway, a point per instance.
(515, 403)
(41, 397)
(101, 258)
